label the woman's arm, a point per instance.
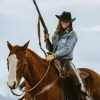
(69, 46)
(48, 43)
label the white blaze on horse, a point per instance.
(12, 59)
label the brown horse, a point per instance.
(38, 73)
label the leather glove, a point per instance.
(50, 57)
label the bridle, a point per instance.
(11, 88)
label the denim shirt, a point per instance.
(64, 47)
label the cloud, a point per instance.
(15, 3)
(95, 28)
(55, 3)
(5, 11)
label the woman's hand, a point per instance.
(50, 57)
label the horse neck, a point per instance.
(35, 68)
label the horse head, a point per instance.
(16, 62)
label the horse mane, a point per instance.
(44, 62)
(37, 56)
(33, 53)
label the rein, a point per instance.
(46, 87)
(40, 80)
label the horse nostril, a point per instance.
(14, 85)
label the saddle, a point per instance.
(84, 75)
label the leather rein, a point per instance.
(46, 87)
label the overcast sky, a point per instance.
(18, 24)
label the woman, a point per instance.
(62, 46)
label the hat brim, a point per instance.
(59, 17)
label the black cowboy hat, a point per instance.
(65, 16)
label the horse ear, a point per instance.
(25, 45)
(9, 46)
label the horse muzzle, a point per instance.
(13, 86)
